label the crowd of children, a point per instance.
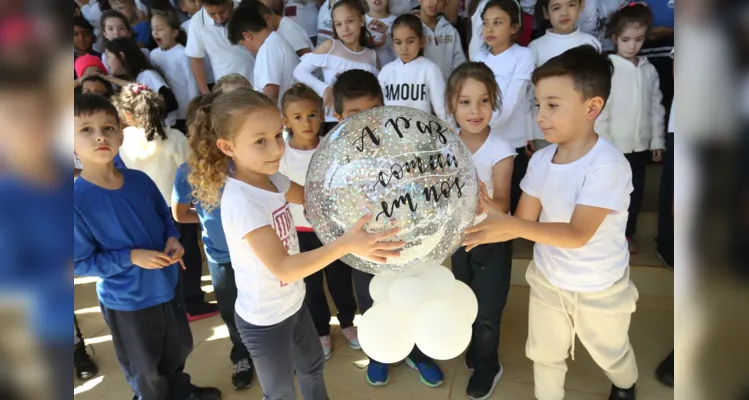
(200, 119)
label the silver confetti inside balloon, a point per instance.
(405, 167)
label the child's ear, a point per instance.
(595, 106)
(226, 147)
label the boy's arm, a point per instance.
(195, 49)
(88, 259)
(583, 225)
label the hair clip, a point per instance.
(632, 4)
(138, 88)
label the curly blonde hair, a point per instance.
(217, 116)
(144, 107)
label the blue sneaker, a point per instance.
(377, 373)
(431, 374)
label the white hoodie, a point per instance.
(443, 46)
(159, 159)
(418, 84)
(633, 118)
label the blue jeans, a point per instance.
(665, 239)
(225, 290)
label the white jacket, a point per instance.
(418, 84)
(159, 159)
(633, 118)
(443, 46)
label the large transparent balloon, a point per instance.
(405, 167)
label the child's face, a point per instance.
(95, 87)
(83, 39)
(114, 28)
(92, 70)
(629, 43)
(355, 106)
(258, 145)
(497, 28)
(114, 63)
(473, 106)
(303, 118)
(562, 111)
(98, 137)
(190, 7)
(563, 14)
(220, 13)
(378, 6)
(347, 23)
(126, 7)
(432, 8)
(407, 44)
(164, 35)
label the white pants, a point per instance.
(600, 320)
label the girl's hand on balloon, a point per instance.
(372, 246)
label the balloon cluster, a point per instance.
(431, 310)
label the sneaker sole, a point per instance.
(494, 386)
(328, 356)
(355, 347)
(376, 384)
(241, 388)
(193, 318)
(424, 381)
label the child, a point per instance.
(124, 235)
(207, 37)
(237, 153)
(379, 22)
(190, 8)
(443, 44)
(289, 30)
(83, 38)
(231, 82)
(356, 91)
(412, 80)
(128, 65)
(89, 64)
(187, 211)
(325, 22)
(170, 57)
(275, 60)
(348, 50)
(301, 109)
(522, 37)
(96, 85)
(563, 34)
(578, 190)
(114, 25)
(304, 13)
(633, 119)
(140, 25)
(473, 95)
(512, 66)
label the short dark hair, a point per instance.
(590, 71)
(83, 23)
(97, 78)
(354, 84)
(257, 6)
(216, 2)
(244, 19)
(88, 103)
(631, 14)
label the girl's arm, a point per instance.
(295, 194)
(114, 80)
(502, 179)
(303, 71)
(657, 116)
(184, 213)
(291, 268)
(437, 88)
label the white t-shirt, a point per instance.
(294, 164)
(553, 44)
(601, 178)
(206, 38)
(176, 66)
(324, 23)
(275, 65)
(418, 84)
(386, 52)
(262, 299)
(512, 69)
(304, 13)
(294, 35)
(206, 60)
(153, 80)
(494, 150)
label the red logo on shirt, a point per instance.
(283, 224)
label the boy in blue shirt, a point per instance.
(124, 234)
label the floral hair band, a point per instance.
(632, 4)
(138, 88)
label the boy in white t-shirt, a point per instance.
(275, 61)
(289, 30)
(578, 190)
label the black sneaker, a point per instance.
(85, 367)
(469, 361)
(200, 311)
(665, 372)
(482, 383)
(623, 394)
(242, 376)
(205, 393)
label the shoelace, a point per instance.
(242, 366)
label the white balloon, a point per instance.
(386, 334)
(379, 286)
(408, 293)
(465, 300)
(441, 329)
(439, 280)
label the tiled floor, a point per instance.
(651, 335)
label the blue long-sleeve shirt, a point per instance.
(108, 224)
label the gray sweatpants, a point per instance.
(279, 350)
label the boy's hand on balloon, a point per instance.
(495, 228)
(372, 246)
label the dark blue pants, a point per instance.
(638, 162)
(338, 275)
(152, 346)
(190, 277)
(486, 269)
(519, 168)
(225, 290)
(665, 239)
